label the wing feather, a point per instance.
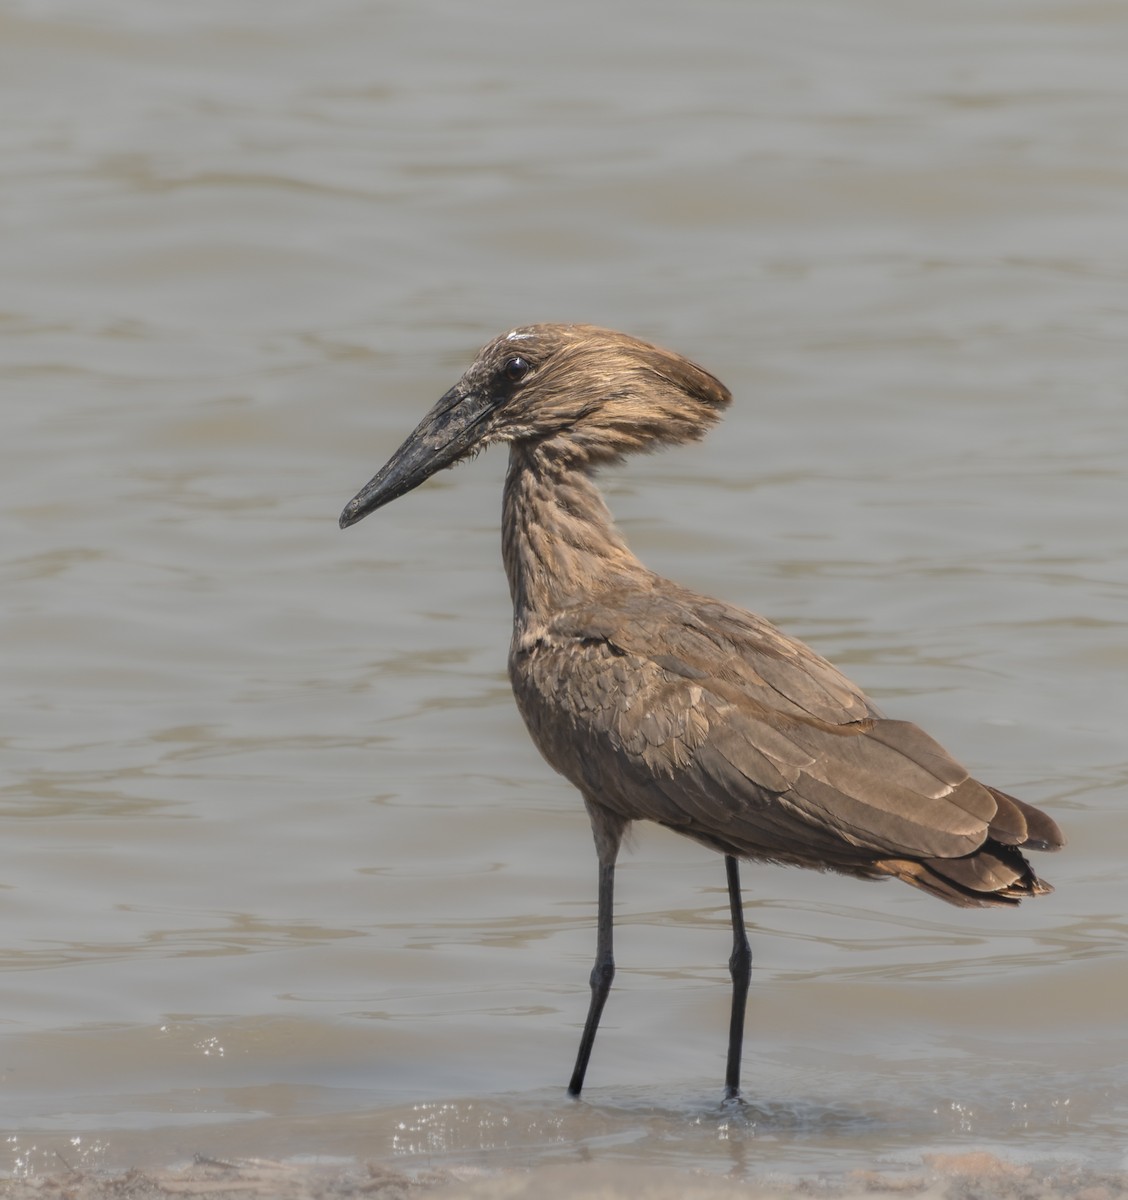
(709, 720)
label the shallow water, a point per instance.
(283, 874)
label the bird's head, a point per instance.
(587, 395)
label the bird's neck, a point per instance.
(559, 540)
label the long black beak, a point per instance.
(449, 432)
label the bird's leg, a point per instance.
(740, 968)
(608, 830)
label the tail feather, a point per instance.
(993, 876)
(995, 873)
(1009, 824)
(1042, 832)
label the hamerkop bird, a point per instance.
(662, 705)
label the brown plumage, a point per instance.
(660, 704)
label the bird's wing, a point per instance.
(709, 719)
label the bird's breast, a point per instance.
(610, 722)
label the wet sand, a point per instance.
(968, 1176)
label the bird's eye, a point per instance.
(515, 369)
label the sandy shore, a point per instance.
(974, 1176)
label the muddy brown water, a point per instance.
(282, 874)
